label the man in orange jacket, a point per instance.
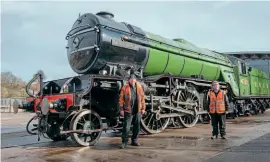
(218, 104)
(132, 106)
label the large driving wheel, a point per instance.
(151, 122)
(86, 120)
(190, 96)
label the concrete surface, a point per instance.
(174, 145)
(257, 150)
(11, 122)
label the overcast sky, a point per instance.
(33, 33)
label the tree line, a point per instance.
(14, 86)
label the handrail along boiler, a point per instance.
(175, 75)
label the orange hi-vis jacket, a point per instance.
(217, 102)
(125, 98)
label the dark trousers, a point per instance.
(126, 127)
(218, 120)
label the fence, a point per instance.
(6, 104)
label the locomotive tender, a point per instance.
(175, 74)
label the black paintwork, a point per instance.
(51, 88)
(90, 44)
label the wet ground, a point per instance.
(248, 140)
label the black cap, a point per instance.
(132, 76)
(132, 71)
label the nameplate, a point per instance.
(126, 45)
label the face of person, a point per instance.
(132, 81)
(215, 86)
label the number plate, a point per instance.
(122, 44)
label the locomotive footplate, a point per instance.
(81, 131)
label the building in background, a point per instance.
(257, 59)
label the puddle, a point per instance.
(248, 121)
(235, 137)
(186, 137)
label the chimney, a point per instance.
(106, 15)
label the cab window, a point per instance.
(243, 68)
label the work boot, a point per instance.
(135, 144)
(213, 137)
(223, 137)
(124, 145)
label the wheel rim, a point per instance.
(87, 120)
(151, 123)
(176, 120)
(189, 97)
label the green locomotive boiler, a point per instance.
(176, 76)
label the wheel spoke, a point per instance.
(80, 123)
(95, 118)
(150, 119)
(161, 125)
(146, 117)
(34, 129)
(83, 119)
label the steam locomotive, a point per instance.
(176, 76)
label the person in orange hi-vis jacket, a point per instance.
(132, 106)
(217, 105)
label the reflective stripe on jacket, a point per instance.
(217, 102)
(125, 98)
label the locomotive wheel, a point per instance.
(254, 109)
(263, 107)
(189, 96)
(86, 120)
(234, 113)
(32, 131)
(151, 123)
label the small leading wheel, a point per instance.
(86, 120)
(32, 130)
(189, 96)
